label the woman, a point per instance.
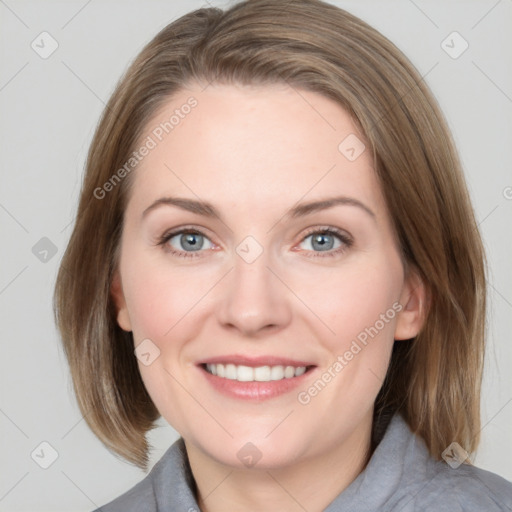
(276, 252)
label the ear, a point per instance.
(414, 307)
(116, 291)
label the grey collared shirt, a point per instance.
(401, 476)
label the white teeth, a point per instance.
(262, 373)
(245, 373)
(299, 371)
(259, 374)
(277, 373)
(231, 372)
(289, 372)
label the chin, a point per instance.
(259, 453)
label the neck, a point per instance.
(308, 484)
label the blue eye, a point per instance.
(329, 241)
(323, 242)
(186, 241)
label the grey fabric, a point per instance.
(400, 476)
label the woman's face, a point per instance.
(257, 241)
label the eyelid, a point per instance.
(326, 229)
(171, 233)
(192, 228)
(345, 238)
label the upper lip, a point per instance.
(255, 361)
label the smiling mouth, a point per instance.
(243, 373)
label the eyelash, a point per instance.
(346, 241)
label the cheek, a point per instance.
(361, 308)
(164, 304)
(358, 302)
(162, 299)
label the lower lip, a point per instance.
(255, 391)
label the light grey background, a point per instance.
(49, 109)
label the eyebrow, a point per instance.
(206, 209)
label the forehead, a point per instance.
(260, 145)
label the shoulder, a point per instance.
(140, 498)
(159, 488)
(431, 484)
(466, 489)
(409, 479)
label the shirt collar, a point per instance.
(175, 489)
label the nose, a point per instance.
(254, 301)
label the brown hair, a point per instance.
(433, 380)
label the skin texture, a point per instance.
(254, 153)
